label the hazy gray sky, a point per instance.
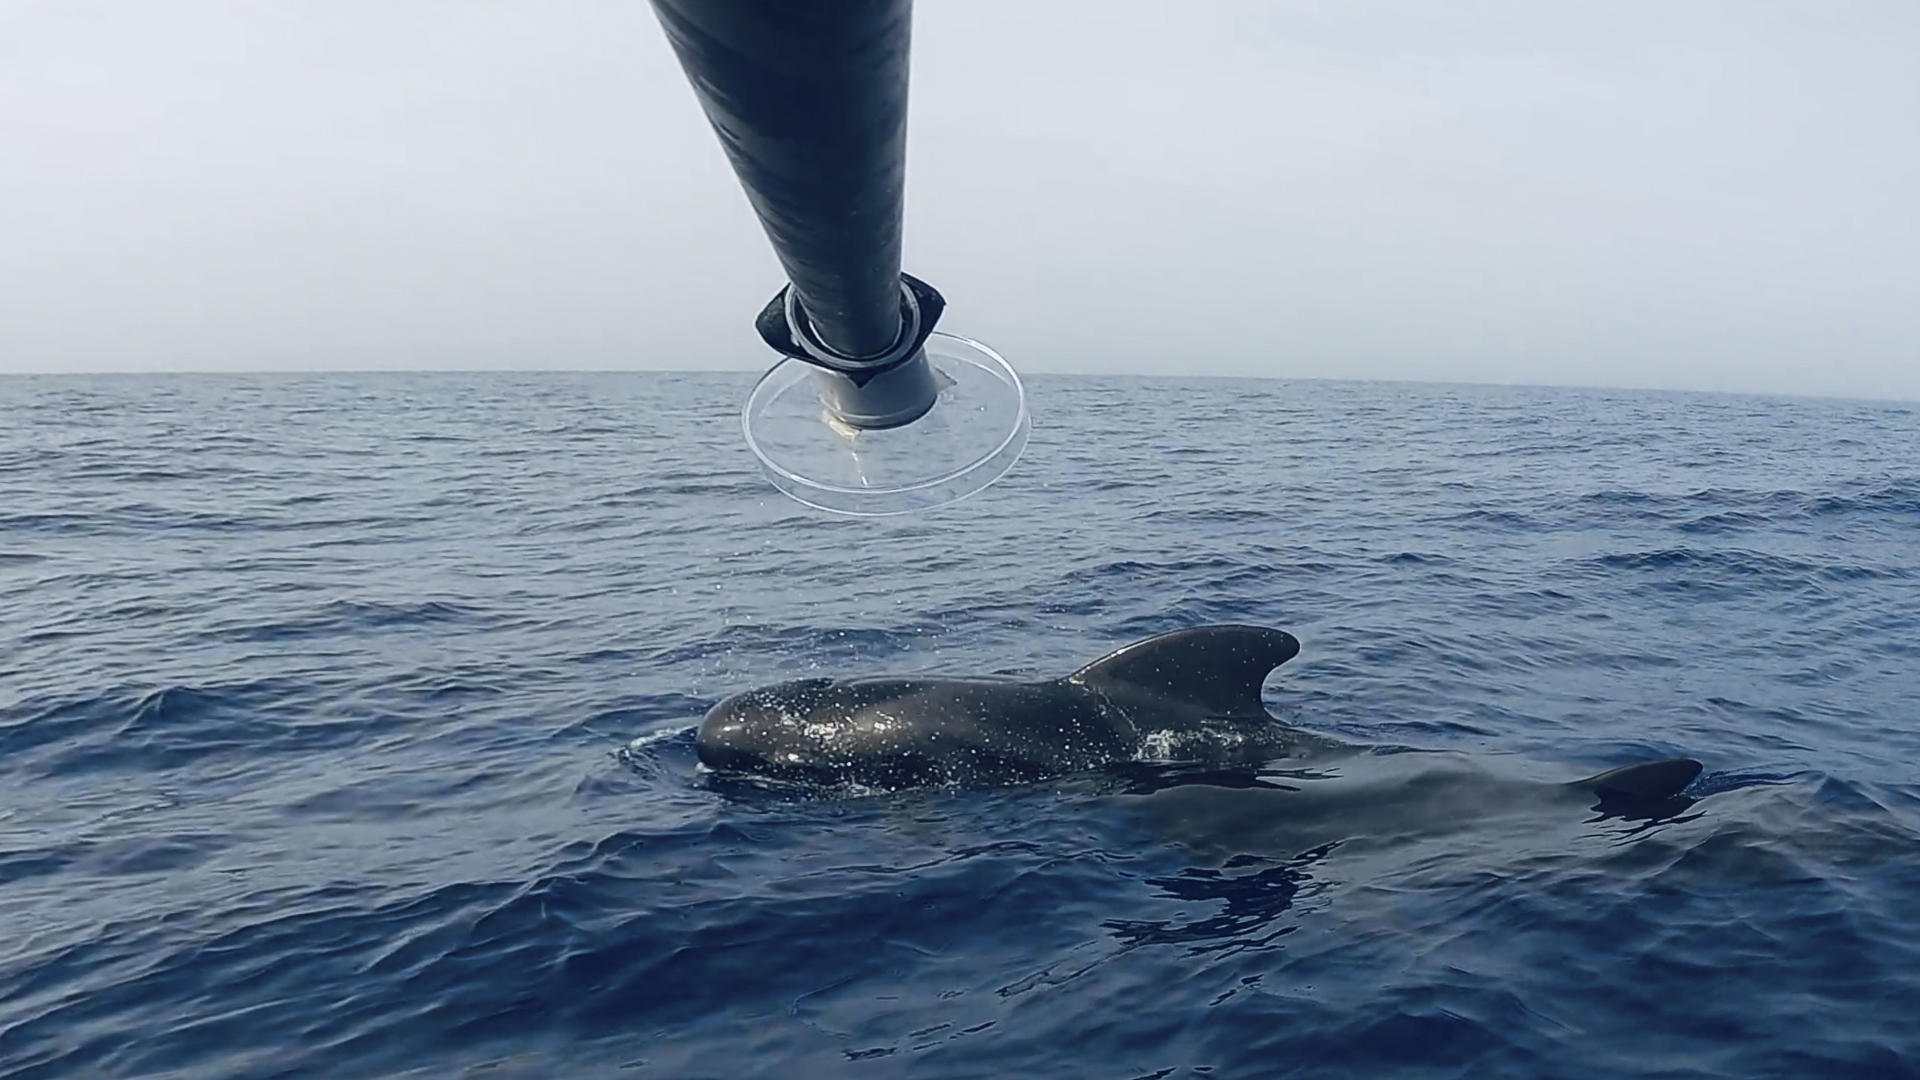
(1680, 193)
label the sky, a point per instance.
(1655, 193)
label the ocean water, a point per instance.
(345, 730)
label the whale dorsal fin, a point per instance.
(1218, 668)
(1647, 780)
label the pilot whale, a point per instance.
(907, 731)
(1194, 687)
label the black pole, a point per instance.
(809, 99)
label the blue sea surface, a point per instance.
(346, 730)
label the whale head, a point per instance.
(775, 730)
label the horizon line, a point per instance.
(1024, 375)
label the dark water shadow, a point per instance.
(1253, 892)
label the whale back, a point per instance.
(1649, 789)
(1217, 669)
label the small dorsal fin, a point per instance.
(1646, 780)
(1219, 668)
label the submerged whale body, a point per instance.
(923, 730)
(1186, 689)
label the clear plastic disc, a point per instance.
(970, 438)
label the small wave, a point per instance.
(1725, 521)
(168, 727)
(1508, 520)
(1748, 563)
(1899, 497)
(338, 617)
(1125, 569)
(57, 522)
(640, 743)
(370, 613)
(1744, 563)
(1731, 507)
(1215, 515)
(1416, 558)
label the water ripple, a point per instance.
(345, 726)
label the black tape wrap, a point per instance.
(786, 328)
